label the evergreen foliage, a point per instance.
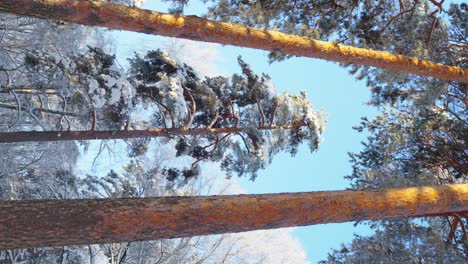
(420, 138)
(257, 122)
(269, 122)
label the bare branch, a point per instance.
(18, 105)
(192, 110)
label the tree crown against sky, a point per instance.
(399, 242)
(258, 122)
(420, 137)
(270, 122)
(424, 29)
(431, 113)
(398, 97)
(409, 148)
(57, 78)
(382, 25)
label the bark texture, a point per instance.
(103, 14)
(39, 223)
(28, 136)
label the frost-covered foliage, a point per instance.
(420, 138)
(399, 242)
(426, 29)
(38, 171)
(132, 3)
(43, 99)
(21, 35)
(406, 149)
(89, 85)
(25, 96)
(52, 81)
(250, 122)
(410, 148)
(258, 123)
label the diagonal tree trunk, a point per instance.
(103, 14)
(39, 223)
(28, 136)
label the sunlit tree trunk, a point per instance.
(28, 136)
(101, 13)
(39, 223)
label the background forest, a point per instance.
(60, 76)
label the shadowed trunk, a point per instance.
(103, 14)
(28, 136)
(40, 223)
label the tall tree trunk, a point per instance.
(95, 13)
(39, 223)
(28, 136)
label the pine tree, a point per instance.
(420, 138)
(232, 34)
(60, 222)
(240, 121)
(399, 242)
(424, 29)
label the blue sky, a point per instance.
(330, 88)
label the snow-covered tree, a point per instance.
(258, 122)
(58, 83)
(399, 242)
(240, 121)
(30, 99)
(195, 28)
(420, 138)
(431, 30)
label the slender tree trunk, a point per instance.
(27, 136)
(26, 89)
(39, 223)
(30, 91)
(103, 14)
(49, 111)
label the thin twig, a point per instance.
(209, 154)
(18, 104)
(245, 143)
(192, 110)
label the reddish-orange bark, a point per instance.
(40, 223)
(100, 13)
